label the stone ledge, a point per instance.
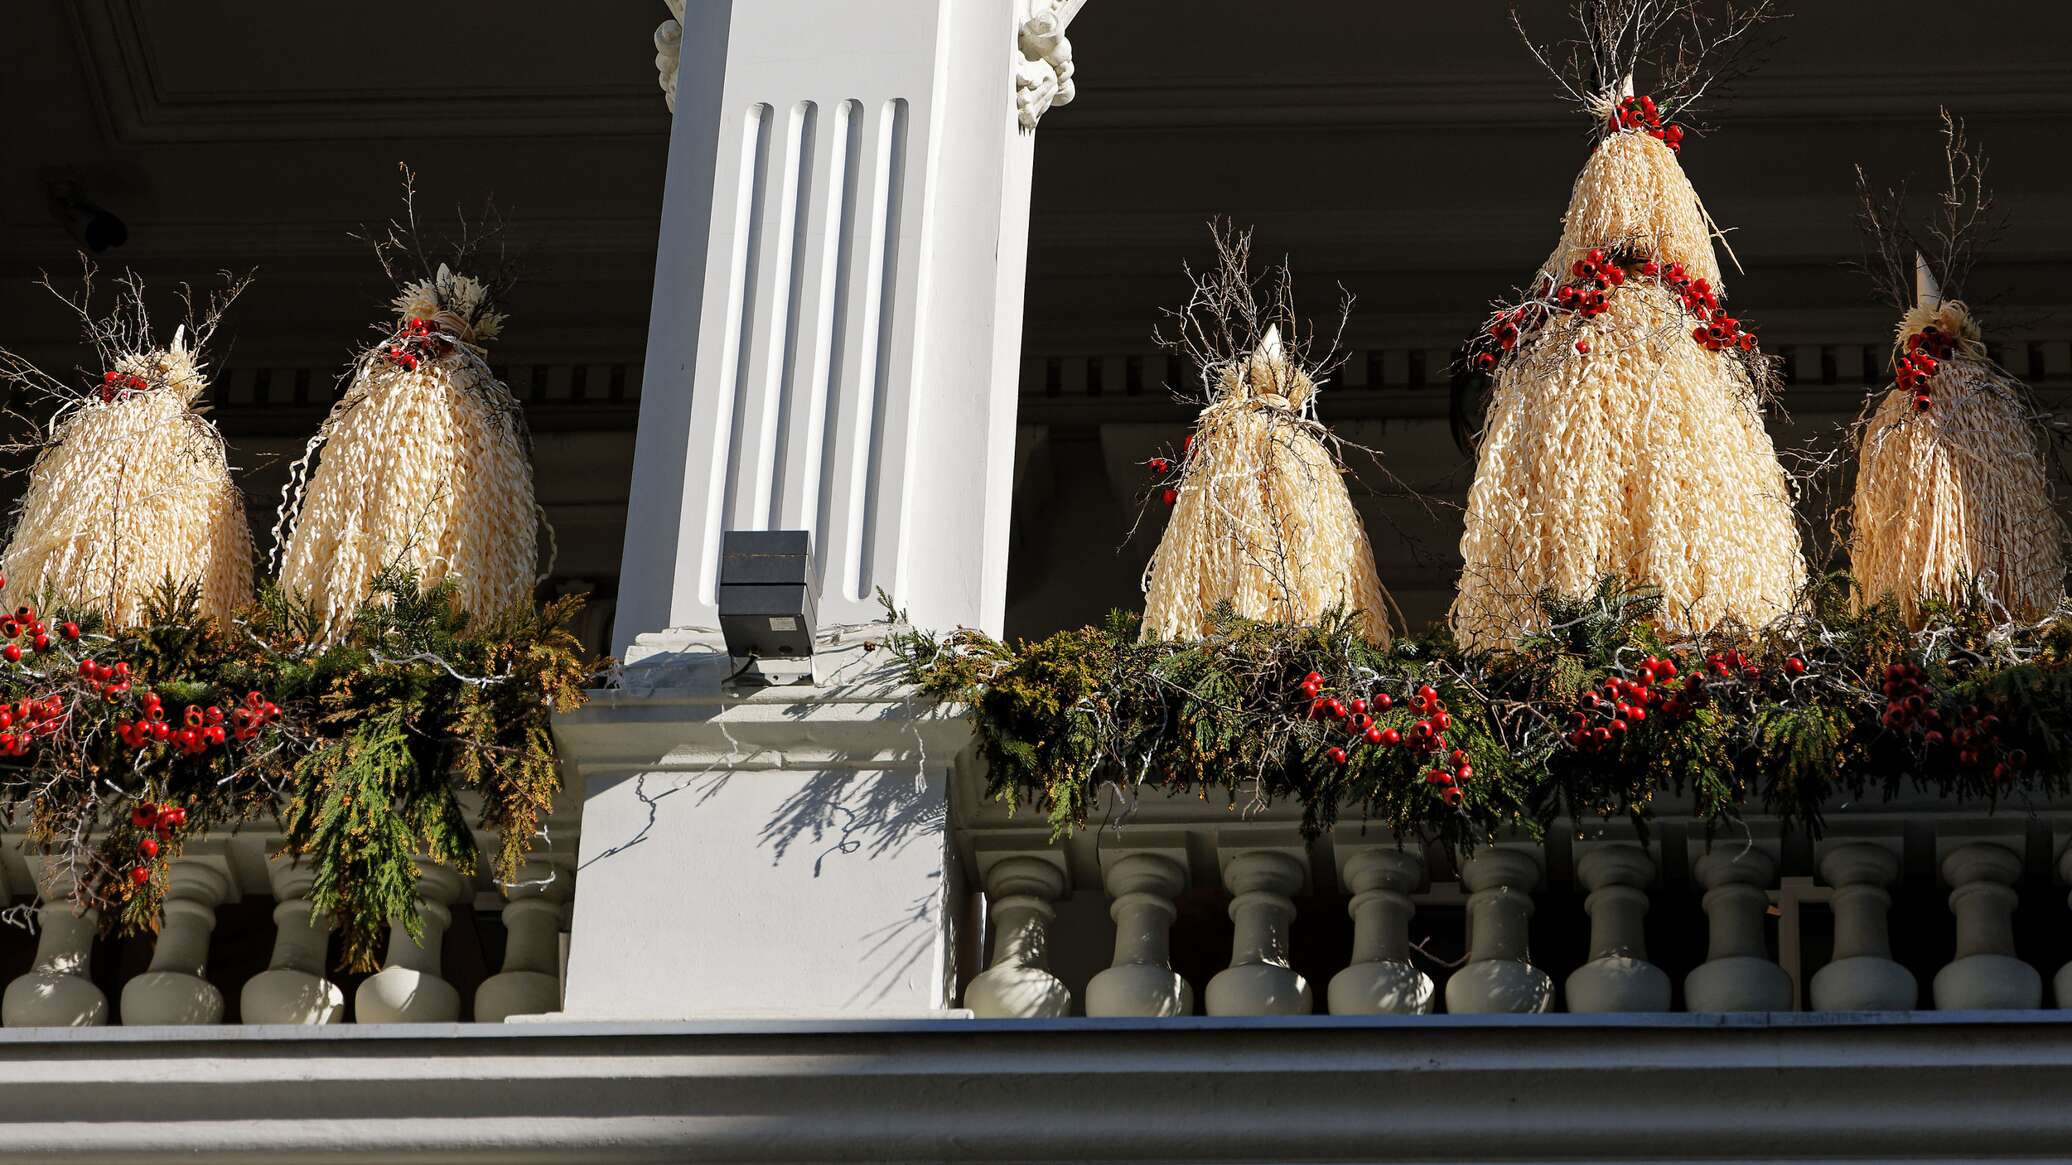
(1982, 1086)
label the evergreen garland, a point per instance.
(361, 761)
(1842, 698)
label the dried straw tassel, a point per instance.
(1263, 519)
(133, 492)
(1645, 459)
(1634, 194)
(1955, 500)
(422, 468)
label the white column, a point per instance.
(175, 989)
(1141, 980)
(1618, 976)
(836, 320)
(1259, 980)
(530, 981)
(1019, 985)
(1985, 975)
(1862, 975)
(292, 988)
(408, 988)
(1499, 976)
(1380, 980)
(1738, 973)
(56, 990)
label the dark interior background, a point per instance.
(1412, 153)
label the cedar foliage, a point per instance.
(1063, 717)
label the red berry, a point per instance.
(1160, 465)
(1338, 756)
(148, 847)
(1583, 346)
(140, 875)
(1391, 736)
(1376, 735)
(1169, 495)
(71, 630)
(1795, 666)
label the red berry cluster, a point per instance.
(24, 624)
(24, 720)
(415, 343)
(1717, 330)
(115, 384)
(1925, 350)
(1979, 747)
(1907, 700)
(1426, 735)
(159, 819)
(1161, 467)
(200, 729)
(1603, 718)
(1598, 276)
(111, 681)
(1640, 113)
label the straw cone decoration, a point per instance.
(1619, 445)
(1263, 520)
(132, 492)
(1953, 498)
(422, 465)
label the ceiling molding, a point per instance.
(1508, 101)
(139, 106)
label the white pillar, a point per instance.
(1618, 976)
(1141, 980)
(408, 988)
(56, 991)
(836, 324)
(1862, 975)
(1019, 985)
(1985, 975)
(1380, 980)
(1499, 976)
(1738, 973)
(175, 989)
(1259, 980)
(292, 988)
(530, 981)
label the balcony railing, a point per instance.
(1166, 907)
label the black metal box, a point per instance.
(765, 601)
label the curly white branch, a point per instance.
(1043, 60)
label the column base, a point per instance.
(1617, 984)
(1864, 983)
(285, 996)
(1988, 983)
(1381, 988)
(1499, 987)
(1737, 983)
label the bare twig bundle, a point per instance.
(422, 465)
(1643, 458)
(131, 490)
(1693, 49)
(1261, 516)
(1953, 497)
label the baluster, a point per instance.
(292, 988)
(1862, 976)
(56, 990)
(1985, 975)
(530, 983)
(1141, 980)
(1499, 976)
(1618, 976)
(1259, 980)
(1738, 973)
(1381, 979)
(1019, 985)
(2061, 984)
(175, 988)
(408, 988)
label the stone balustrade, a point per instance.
(1907, 906)
(236, 941)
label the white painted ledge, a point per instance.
(1964, 1086)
